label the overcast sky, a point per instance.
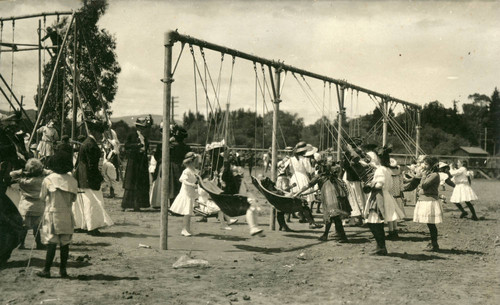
(415, 51)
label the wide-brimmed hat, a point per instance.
(282, 166)
(189, 157)
(393, 162)
(146, 121)
(311, 150)
(300, 147)
(442, 164)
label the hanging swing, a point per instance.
(276, 198)
(232, 205)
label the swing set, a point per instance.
(272, 87)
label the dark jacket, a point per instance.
(136, 174)
(87, 165)
(429, 187)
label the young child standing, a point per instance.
(31, 206)
(184, 202)
(59, 191)
(463, 191)
(428, 208)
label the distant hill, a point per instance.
(130, 120)
(31, 113)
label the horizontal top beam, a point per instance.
(175, 36)
(35, 16)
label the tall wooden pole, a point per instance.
(274, 147)
(340, 119)
(417, 136)
(75, 83)
(56, 66)
(385, 120)
(39, 95)
(165, 157)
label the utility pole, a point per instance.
(485, 138)
(173, 102)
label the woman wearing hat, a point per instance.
(184, 202)
(301, 169)
(49, 138)
(136, 181)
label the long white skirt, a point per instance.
(462, 193)
(155, 193)
(88, 210)
(301, 180)
(356, 197)
(429, 211)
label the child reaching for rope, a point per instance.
(31, 206)
(333, 197)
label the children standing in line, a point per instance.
(381, 206)
(463, 192)
(184, 202)
(428, 208)
(31, 206)
(59, 191)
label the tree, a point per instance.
(493, 124)
(96, 64)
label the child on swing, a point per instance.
(59, 191)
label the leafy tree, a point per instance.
(494, 122)
(97, 63)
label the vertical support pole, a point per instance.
(384, 121)
(62, 104)
(417, 136)
(340, 119)
(56, 66)
(485, 138)
(165, 157)
(274, 147)
(75, 83)
(39, 95)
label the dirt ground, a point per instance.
(280, 268)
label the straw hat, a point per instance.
(393, 162)
(190, 156)
(300, 147)
(442, 164)
(311, 150)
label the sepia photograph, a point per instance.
(249, 152)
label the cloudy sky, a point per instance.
(418, 51)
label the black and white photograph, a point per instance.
(249, 152)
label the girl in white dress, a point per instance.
(381, 206)
(184, 202)
(463, 192)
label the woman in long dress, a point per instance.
(463, 192)
(381, 206)
(48, 141)
(301, 170)
(136, 181)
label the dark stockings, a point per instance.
(377, 230)
(472, 210)
(49, 258)
(434, 237)
(339, 228)
(280, 216)
(461, 208)
(64, 260)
